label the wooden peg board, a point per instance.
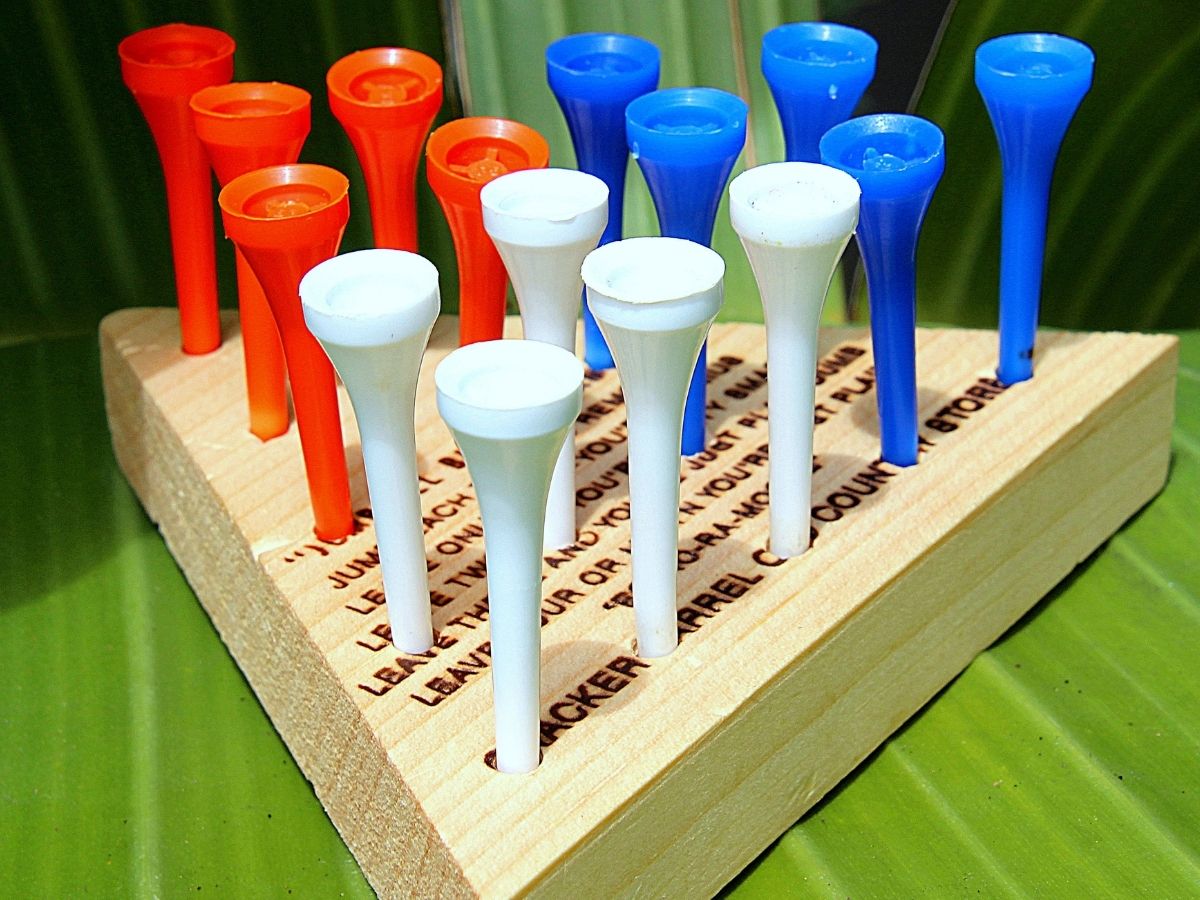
(665, 776)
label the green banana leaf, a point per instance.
(136, 761)
(1122, 246)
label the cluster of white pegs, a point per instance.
(512, 405)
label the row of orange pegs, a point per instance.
(284, 217)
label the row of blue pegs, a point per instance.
(686, 140)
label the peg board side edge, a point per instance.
(364, 795)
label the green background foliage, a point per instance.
(1122, 246)
(134, 758)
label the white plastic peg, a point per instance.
(794, 219)
(654, 299)
(509, 405)
(372, 311)
(543, 222)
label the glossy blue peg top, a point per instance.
(601, 67)
(594, 76)
(1031, 84)
(898, 161)
(1034, 70)
(686, 141)
(893, 156)
(693, 126)
(817, 72)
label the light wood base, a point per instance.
(664, 776)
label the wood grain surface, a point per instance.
(658, 776)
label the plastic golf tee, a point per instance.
(285, 220)
(386, 99)
(685, 141)
(245, 126)
(163, 67)
(898, 161)
(509, 405)
(794, 219)
(593, 77)
(1032, 84)
(372, 311)
(460, 158)
(544, 222)
(654, 299)
(817, 72)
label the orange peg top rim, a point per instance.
(283, 207)
(175, 59)
(465, 154)
(252, 113)
(384, 85)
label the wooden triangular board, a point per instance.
(664, 776)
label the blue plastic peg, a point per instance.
(1031, 84)
(685, 141)
(817, 72)
(898, 161)
(593, 77)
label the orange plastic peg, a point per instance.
(245, 126)
(386, 99)
(163, 67)
(285, 220)
(461, 157)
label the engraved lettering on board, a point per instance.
(722, 488)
